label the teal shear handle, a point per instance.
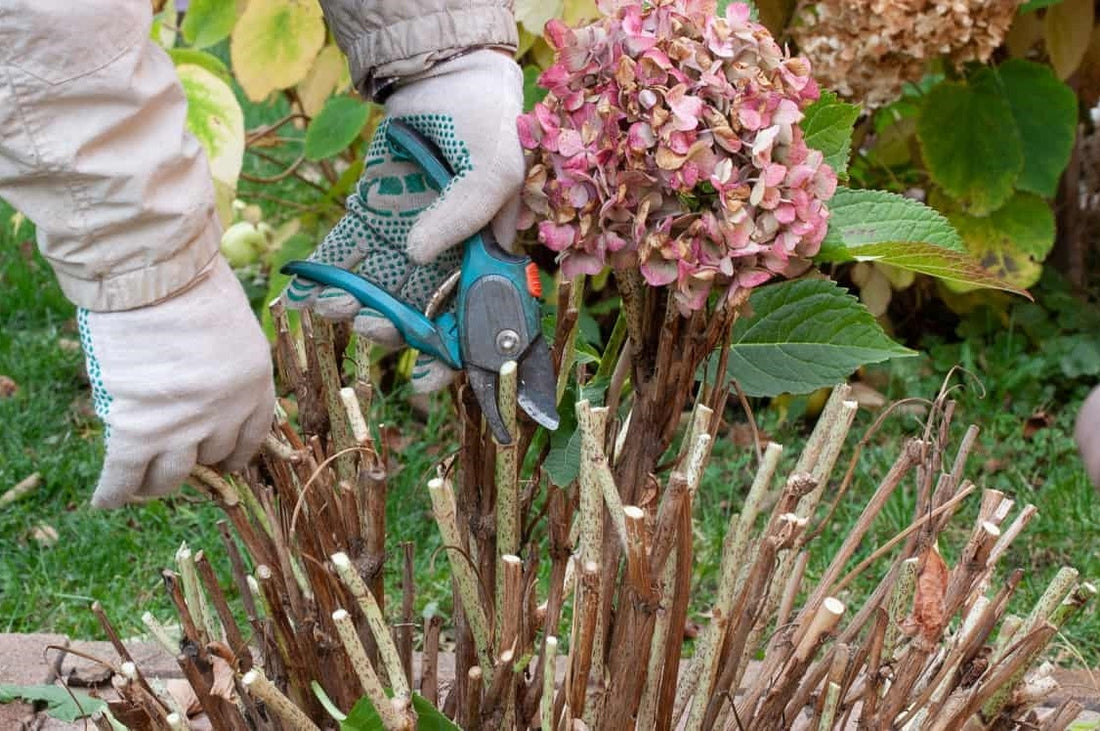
(434, 338)
(496, 317)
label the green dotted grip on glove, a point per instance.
(482, 257)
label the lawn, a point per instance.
(1031, 394)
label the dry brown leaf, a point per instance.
(44, 534)
(927, 620)
(184, 695)
(8, 387)
(1036, 422)
(223, 679)
(867, 396)
(1067, 27)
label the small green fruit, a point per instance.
(242, 244)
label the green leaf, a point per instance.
(532, 92)
(208, 61)
(274, 44)
(214, 116)
(563, 462)
(208, 21)
(827, 126)
(1045, 112)
(336, 127)
(805, 335)
(363, 717)
(64, 704)
(970, 143)
(859, 218)
(1032, 5)
(430, 718)
(1011, 243)
(955, 267)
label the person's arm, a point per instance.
(386, 40)
(93, 149)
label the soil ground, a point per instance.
(25, 660)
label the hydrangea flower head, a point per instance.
(669, 142)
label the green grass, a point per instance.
(115, 556)
(48, 427)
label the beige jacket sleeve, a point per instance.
(389, 39)
(93, 150)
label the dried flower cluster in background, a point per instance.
(669, 142)
(867, 49)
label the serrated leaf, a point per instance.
(215, 118)
(274, 44)
(208, 61)
(208, 21)
(339, 123)
(1067, 28)
(827, 126)
(951, 266)
(1011, 243)
(858, 218)
(328, 75)
(805, 335)
(64, 704)
(1045, 112)
(970, 144)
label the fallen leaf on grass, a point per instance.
(21, 488)
(44, 534)
(927, 619)
(69, 345)
(8, 387)
(1036, 422)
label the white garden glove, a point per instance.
(401, 234)
(1087, 433)
(183, 381)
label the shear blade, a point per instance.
(538, 386)
(484, 384)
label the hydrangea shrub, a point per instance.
(669, 141)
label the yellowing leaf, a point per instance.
(164, 29)
(1068, 30)
(274, 43)
(533, 14)
(328, 75)
(579, 11)
(214, 116)
(1011, 243)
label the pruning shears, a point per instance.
(497, 314)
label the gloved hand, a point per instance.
(401, 234)
(1087, 433)
(182, 381)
